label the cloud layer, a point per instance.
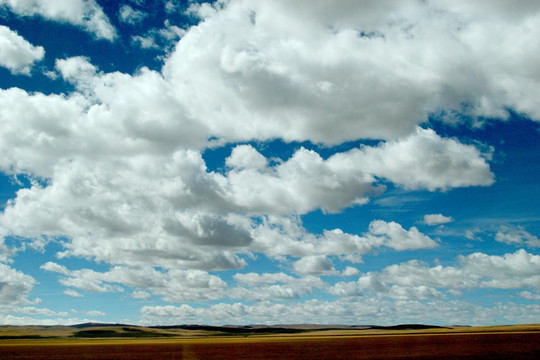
(115, 169)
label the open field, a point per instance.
(504, 342)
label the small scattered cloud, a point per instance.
(128, 15)
(73, 293)
(516, 235)
(529, 295)
(95, 313)
(83, 13)
(159, 38)
(395, 236)
(436, 219)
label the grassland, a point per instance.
(402, 342)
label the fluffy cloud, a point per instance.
(342, 311)
(14, 286)
(306, 182)
(424, 160)
(436, 219)
(516, 236)
(396, 237)
(17, 54)
(510, 271)
(276, 286)
(116, 167)
(159, 189)
(330, 73)
(316, 265)
(415, 280)
(173, 286)
(84, 13)
(280, 236)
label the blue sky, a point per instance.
(240, 162)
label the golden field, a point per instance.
(128, 342)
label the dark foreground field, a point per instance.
(324, 345)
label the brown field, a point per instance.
(504, 342)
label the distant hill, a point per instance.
(108, 330)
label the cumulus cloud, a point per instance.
(364, 71)
(425, 160)
(273, 286)
(285, 236)
(15, 286)
(124, 181)
(173, 285)
(84, 13)
(396, 237)
(510, 271)
(436, 219)
(516, 236)
(341, 311)
(415, 280)
(315, 265)
(306, 181)
(17, 54)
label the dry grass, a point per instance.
(493, 342)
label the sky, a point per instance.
(269, 162)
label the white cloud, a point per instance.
(9, 319)
(284, 236)
(17, 54)
(396, 237)
(350, 271)
(415, 280)
(142, 295)
(124, 181)
(95, 313)
(437, 219)
(510, 271)
(424, 160)
(54, 267)
(306, 181)
(301, 184)
(15, 286)
(128, 15)
(314, 265)
(72, 293)
(516, 236)
(358, 310)
(529, 295)
(331, 73)
(160, 38)
(420, 292)
(31, 310)
(84, 13)
(6, 252)
(173, 285)
(273, 286)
